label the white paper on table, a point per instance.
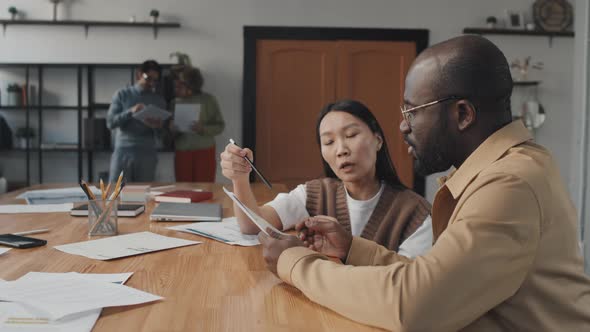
(18, 317)
(56, 196)
(185, 115)
(3, 250)
(124, 245)
(60, 297)
(152, 112)
(258, 220)
(226, 231)
(40, 208)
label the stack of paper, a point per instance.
(226, 231)
(39, 208)
(70, 301)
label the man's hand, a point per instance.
(325, 235)
(137, 108)
(274, 245)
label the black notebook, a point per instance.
(123, 210)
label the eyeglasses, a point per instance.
(150, 78)
(408, 113)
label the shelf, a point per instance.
(526, 83)
(88, 24)
(48, 107)
(69, 150)
(520, 32)
(486, 31)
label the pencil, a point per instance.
(102, 193)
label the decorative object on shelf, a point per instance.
(132, 19)
(524, 67)
(5, 135)
(533, 114)
(530, 26)
(553, 15)
(491, 22)
(13, 12)
(154, 13)
(22, 135)
(514, 20)
(14, 95)
(55, 3)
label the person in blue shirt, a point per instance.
(135, 141)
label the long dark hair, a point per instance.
(384, 167)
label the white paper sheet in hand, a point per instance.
(60, 297)
(226, 231)
(152, 112)
(124, 245)
(258, 220)
(185, 115)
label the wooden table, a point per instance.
(208, 287)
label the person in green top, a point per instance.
(195, 148)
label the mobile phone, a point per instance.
(21, 242)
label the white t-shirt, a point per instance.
(291, 209)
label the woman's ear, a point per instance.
(379, 141)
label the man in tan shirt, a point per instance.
(506, 255)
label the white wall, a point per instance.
(212, 34)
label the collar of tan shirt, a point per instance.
(488, 152)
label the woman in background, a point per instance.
(194, 159)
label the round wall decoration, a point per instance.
(553, 15)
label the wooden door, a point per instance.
(374, 72)
(294, 79)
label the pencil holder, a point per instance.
(102, 217)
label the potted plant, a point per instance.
(22, 134)
(154, 13)
(13, 11)
(491, 22)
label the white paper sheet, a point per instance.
(258, 220)
(152, 112)
(60, 297)
(20, 318)
(40, 208)
(56, 196)
(185, 115)
(124, 245)
(226, 231)
(3, 250)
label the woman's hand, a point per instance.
(233, 165)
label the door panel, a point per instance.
(294, 80)
(374, 73)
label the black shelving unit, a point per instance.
(90, 108)
(87, 24)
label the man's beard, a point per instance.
(436, 153)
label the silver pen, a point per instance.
(36, 231)
(254, 167)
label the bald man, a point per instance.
(506, 254)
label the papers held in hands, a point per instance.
(151, 112)
(185, 115)
(258, 220)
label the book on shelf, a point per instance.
(184, 196)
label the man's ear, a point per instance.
(465, 114)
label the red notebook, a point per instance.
(184, 196)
